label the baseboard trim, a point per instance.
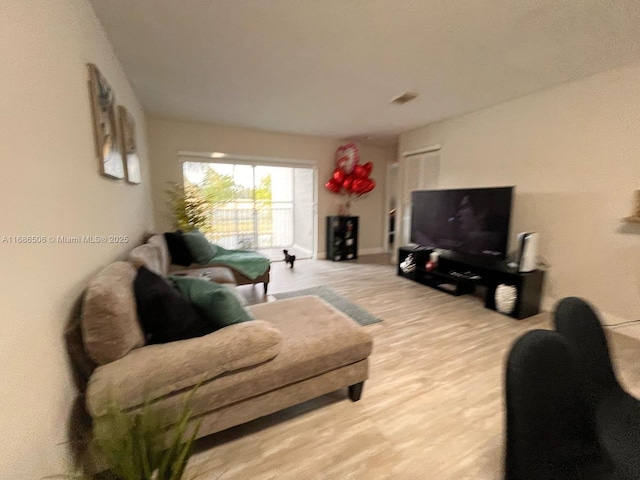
(370, 251)
(364, 251)
(305, 251)
(547, 304)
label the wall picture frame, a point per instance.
(129, 146)
(105, 125)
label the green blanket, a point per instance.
(250, 264)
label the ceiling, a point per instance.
(330, 67)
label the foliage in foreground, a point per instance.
(139, 446)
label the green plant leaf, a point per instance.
(187, 448)
(190, 206)
(138, 445)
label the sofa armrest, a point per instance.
(155, 371)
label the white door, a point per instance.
(391, 211)
(417, 172)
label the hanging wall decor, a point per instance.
(129, 145)
(103, 106)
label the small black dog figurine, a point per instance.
(289, 258)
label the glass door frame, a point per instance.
(259, 161)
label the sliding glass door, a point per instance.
(257, 207)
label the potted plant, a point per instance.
(189, 206)
(140, 446)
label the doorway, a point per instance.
(419, 170)
(391, 203)
(268, 208)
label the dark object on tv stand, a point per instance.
(460, 275)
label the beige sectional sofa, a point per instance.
(295, 350)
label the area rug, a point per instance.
(357, 313)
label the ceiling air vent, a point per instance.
(404, 98)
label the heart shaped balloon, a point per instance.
(347, 157)
(339, 175)
(369, 185)
(347, 183)
(333, 186)
(349, 177)
(358, 186)
(359, 171)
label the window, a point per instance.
(257, 207)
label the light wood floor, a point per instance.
(431, 409)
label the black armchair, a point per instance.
(550, 430)
(567, 415)
(616, 412)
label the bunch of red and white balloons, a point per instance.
(350, 176)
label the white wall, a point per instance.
(50, 186)
(168, 136)
(573, 152)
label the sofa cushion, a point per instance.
(156, 371)
(160, 243)
(199, 247)
(147, 256)
(166, 316)
(110, 327)
(316, 339)
(214, 301)
(177, 248)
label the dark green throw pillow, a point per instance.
(214, 301)
(199, 247)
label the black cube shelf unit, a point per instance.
(459, 275)
(342, 238)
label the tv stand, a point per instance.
(459, 275)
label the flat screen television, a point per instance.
(470, 221)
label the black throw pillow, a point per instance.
(164, 314)
(178, 248)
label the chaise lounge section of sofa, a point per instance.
(295, 350)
